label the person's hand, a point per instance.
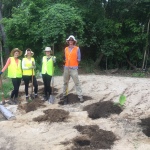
(32, 67)
(54, 59)
(1, 72)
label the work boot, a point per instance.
(11, 101)
(65, 100)
(81, 99)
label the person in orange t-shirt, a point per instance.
(15, 73)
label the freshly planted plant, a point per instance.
(122, 100)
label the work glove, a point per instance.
(54, 59)
(1, 72)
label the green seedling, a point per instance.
(30, 100)
(122, 100)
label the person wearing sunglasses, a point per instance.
(72, 59)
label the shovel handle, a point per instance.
(31, 95)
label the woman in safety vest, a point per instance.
(47, 71)
(28, 66)
(15, 73)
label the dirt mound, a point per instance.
(31, 106)
(93, 138)
(53, 115)
(72, 98)
(145, 124)
(102, 109)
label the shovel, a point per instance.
(1, 83)
(52, 97)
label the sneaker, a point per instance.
(10, 101)
(81, 99)
(16, 101)
(27, 98)
(45, 98)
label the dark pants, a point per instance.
(16, 83)
(47, 82)
(26, 80)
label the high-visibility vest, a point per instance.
(28, 63)
(71, 57)
(14, 70)
(47, 66)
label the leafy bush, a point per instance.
(139, 74)
(88, 65)
(7, 87)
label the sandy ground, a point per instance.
(25, 134)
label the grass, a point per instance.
(139, 74)
(7, 87)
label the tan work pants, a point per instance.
(66, 76)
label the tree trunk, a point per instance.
(146, 48)
(6, 50)
(131, 65)
(1, 54)
(98, 60)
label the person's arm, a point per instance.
(79, 55)
(24, 65)
(6, 65)
(33, 64)
(41, 65)
(64, 57)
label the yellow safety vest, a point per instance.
(28, 63)
(47, 66)
(14, 70)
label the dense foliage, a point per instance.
(110, 33)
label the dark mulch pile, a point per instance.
(145, 124)
(102, 109)
(31, 106)
(53, 115)
(72, 99)
(93, 138)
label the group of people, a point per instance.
(25, 70)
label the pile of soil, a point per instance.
(102, 109)
(72, 99)
(31, 106)
(53, 115)
(93, 138)
(145, 124)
